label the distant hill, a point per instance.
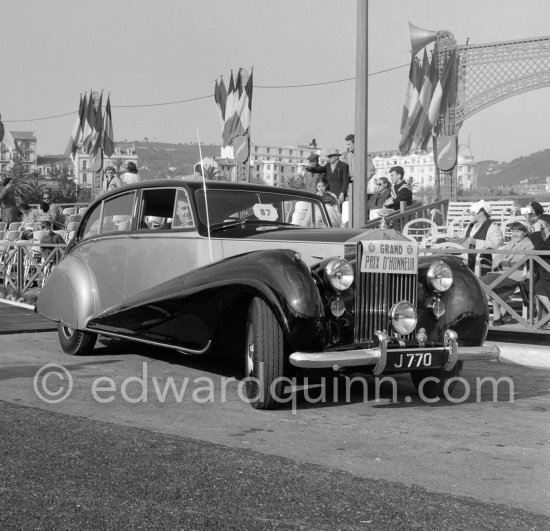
(159, 160)
(535, 168)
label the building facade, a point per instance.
(27, 144)
(421, 170)
(269, 165)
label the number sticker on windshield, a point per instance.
(265, 212)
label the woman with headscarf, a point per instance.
(482, 233)
(501, 262)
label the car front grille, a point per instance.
(375, 294)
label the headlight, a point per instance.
(440, 276)
(403, 316)
(339, 274)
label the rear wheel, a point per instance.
(264, 357)
(75, 342)
(435, 387)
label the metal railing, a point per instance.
(532, 318)
(400, 218)
(23, 266)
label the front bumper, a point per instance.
(377, 357)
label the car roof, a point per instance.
(198, 184)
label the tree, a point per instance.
(32, 188)
(66, 188)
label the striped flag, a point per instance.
(108, 138)
(423, 127)
(78, 127)
(89, 124)
(97, 131)
(419, 80)
(412, 93)
(448, 86)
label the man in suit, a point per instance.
(336, 173)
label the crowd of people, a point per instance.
(483, 233)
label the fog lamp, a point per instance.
(337, 308)
(437, 307)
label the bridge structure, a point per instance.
(485, 75)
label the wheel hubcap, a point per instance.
(250, 355)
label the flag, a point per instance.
(448, 86)
(76, 134)
(97, 130)
(220, 96)
(238, 115)
(108, 138)
(412, 94)
(408, 128)
(423, 127)
(89, 124)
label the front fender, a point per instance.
(466, 309)
(211, 292)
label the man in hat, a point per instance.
(310, 175)
(482, 233)
(336, 173)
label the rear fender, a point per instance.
(67, 295)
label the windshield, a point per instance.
(229, 206)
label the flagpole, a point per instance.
(205, 201)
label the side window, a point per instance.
(183, 216)
(91, 225)
(157, 208)
(117, 213)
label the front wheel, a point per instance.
(435, 386)
(264, 357)
(75, 342)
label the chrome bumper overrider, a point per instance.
(338, 359)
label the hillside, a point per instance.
(158, 160)
(534, 167)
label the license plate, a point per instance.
(414, 360)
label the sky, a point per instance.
(146, 53)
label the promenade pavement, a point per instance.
(529, 350)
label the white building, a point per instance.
(27, 143)
(270, 165)
(420, 167)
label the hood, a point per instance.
(329, 235)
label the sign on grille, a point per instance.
(388, 256)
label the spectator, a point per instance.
(131, 176)
(532, 213)
(482, 233)
(8, 208)
(400, 190)
(111, 181)
(502, 262)
(542, 276)
(50, 237)
(382, 193)
(336, 173)
(49, 211)
(310, 177)
(330, 200)
(30, 221)
(350, 147)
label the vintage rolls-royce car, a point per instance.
(260, 269)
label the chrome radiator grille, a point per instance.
(375, 294)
